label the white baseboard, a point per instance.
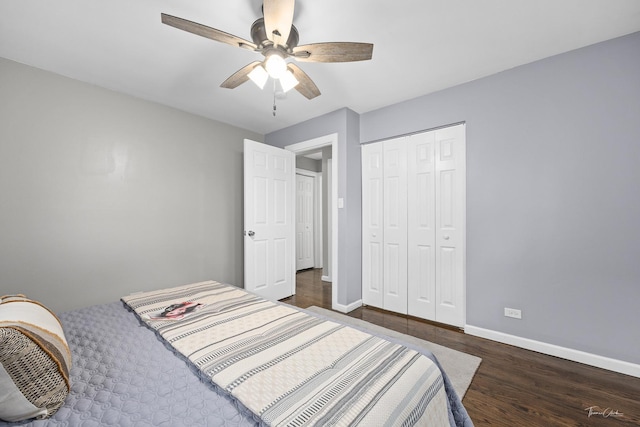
(610, 364)
(347, 308)
(326, 279)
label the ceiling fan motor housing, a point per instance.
(259, 36)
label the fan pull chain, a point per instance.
(274, 98)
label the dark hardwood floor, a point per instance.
(513, 386)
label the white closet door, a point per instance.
(372, 225)
(395, 225)
(414, 225)
(450, 224)
(421, 225)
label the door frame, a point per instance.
(313, 145)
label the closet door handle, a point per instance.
(445, 237)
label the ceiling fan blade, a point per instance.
(278, 18)
(240, 76)
(208, 32)
(305, 86)
(333, 52)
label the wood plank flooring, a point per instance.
(513, 386)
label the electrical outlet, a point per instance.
(513, 312)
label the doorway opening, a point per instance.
(313, 207)
(328, 146)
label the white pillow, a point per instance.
(34, 360)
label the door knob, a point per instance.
(445, 237)
(251, 233)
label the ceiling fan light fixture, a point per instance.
(288, 81)
(275, 65)
(259, 76)
(276, 38)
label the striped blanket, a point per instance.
(291, 368)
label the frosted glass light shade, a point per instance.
(288, 81)
(259, 76)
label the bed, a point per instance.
(128, 368)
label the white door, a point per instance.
(305, 222)
(372, 225)
(269, 202)
(450, 180)
(418, 196)
(395, 225)
(421, 224)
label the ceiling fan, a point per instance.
(275, 37)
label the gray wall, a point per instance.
(553, 194)
(345, 123)
(103, 194)
(308, 164)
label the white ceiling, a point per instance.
(421, 46)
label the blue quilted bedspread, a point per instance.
(122, 375)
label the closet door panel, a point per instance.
(395, 225)
(450, 224)
(372, 225)
(421, 225)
